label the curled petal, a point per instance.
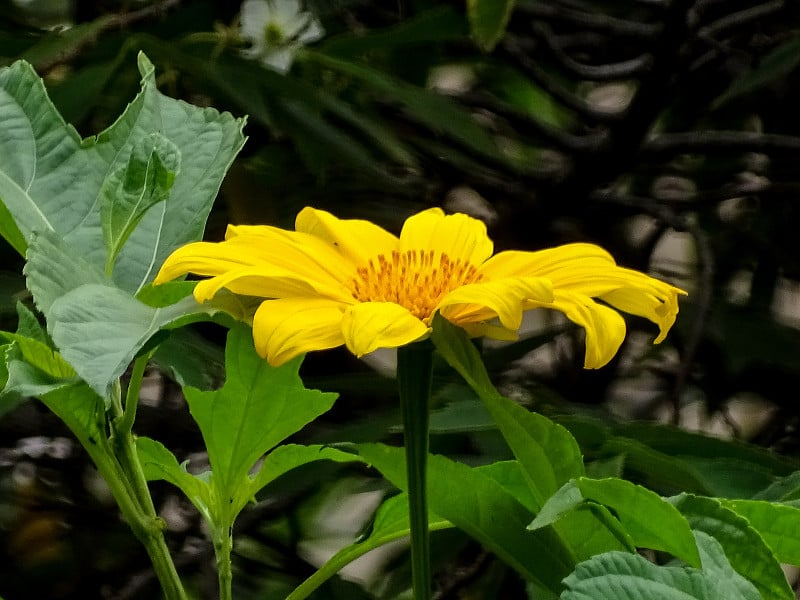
(459, 236)
(504, 299)
(372, 325)
(654, 300)
(283, 329)
(605, 327)
(357, 240)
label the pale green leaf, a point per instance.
(51, 180)
(621, 576)
(488, 20)
(99, 329)
(131, 190)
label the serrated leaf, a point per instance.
(99, 329)
(488, 20)
(258, 407)
(649, 520)
(131, 190)
(621, 576)
(55, 268)
(743, 546)
(482, 508)
(50, 179)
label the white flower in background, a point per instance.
(277, 29)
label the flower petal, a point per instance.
(547, 263)
(459, 236)
(355, 239)
(371, 325)
(652, 299)
(605, 327)
(285, 328)
(269, 282)
(253, 18)
(252, 252)
(504, 299)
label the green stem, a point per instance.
(134, 498)
(414, 373)
(223, 544)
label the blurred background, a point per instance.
(665, 131)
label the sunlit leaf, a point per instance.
(777, 524)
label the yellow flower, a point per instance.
(334, 282)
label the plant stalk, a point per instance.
(414, 375)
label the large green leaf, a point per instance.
(743, 546)
(51, 180)
(258, 407)
(488, 20)
(621, 576)
(100, 328)
(482, 508)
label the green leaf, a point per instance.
(778, 64)
(778, 525)
(51, 180)
(81, 410)
(390, 524)
(782, 490)
(99, 329)
(436, 112)
(488, 20)
(481, 507)
(131, 190)
(55, 268)
(290, 456)
(160, 464)
(649, 520)
(743, 546)
(621, 576)
(547, 452)
(258, 407)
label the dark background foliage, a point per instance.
(668, 132)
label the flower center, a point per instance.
(273, 34)
(415, 279)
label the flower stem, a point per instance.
(414, 373)
(223, 544)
